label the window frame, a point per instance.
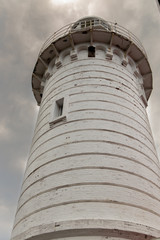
(54, 116)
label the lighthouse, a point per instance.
(93, 171)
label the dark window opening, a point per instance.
(59, 107)
(83, 24)
(84, 32)
(87, 23)
(92, 22)
(60, 110)
(91, 51)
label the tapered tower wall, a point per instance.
(93, 170)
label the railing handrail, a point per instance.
(104, 26)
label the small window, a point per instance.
(59, 107)
(83, 24)
(92, 22)
(87, 23)
(58, 111)
(91, 51)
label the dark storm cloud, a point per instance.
(24, 26)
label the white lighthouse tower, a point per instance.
(93, 171)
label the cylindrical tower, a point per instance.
(93, 171)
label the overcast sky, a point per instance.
(24, 26)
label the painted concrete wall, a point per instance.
(95, 170)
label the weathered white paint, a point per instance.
(94, 175)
